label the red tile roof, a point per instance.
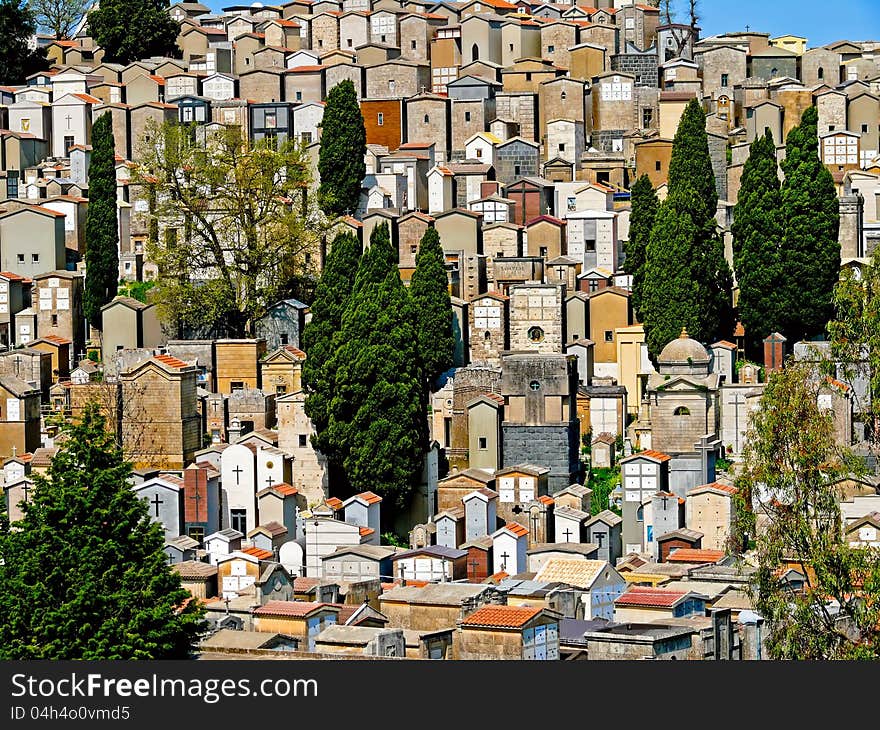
(693, 555)
(333, 503)
(292, 609)
(258, 553)
(304, 585)
(716, 486)
(502, 617)
(650, 453)
(516, 528)
(369, 497)
(89, 98)
(12, 277)
(295, 351)
(56, 340)
(170, 361)
(364, 531)
(545, 499)
(649, 597)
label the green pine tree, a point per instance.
(757, 238)
(644, 204)
(687, 281)
(341, 162)
(378, 410)
(17, 25)
(84, 574)
(810, 247)
(429, 290)
(102, 231)
(320, 335)
(130, 30)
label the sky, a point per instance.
(822, 22)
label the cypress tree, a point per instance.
(102, 232)
(17, 25)
(129, 30)
(810, 247)
(378, 411)
(757, 237)
(341, 164)
(687, 281)
(432, 307)
(84, 574)
(644, 210)
(332, 295)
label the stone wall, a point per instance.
(641, 65)
(555, 447)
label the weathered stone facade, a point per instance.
(515, 159)
(642, 66)
(469, 382)
(520, 108)
(536, 323)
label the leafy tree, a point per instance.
(17, 26)
(757, 237)
(129, 30)
(320, 336)
(792, 469)
(102, 225)
(644, 211)
(687, 281)
(84, 574)
(59, 17)
(238, 232)
(810, 247)
(433, 308)
(341, 164)
(378, 420)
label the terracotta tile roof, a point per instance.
(713, 487)
(549, 218)
(12, 277)
(292, 609)
(573, 572)
(502, 617)
(170, 361)
(333, 503)
(649, 597)
(517, 529)
(545, 499)
(369, 497)
(693, 555)
(282, 488)
(89, 98)
(295, 351)
(158, 79)
(836, 383)
(724, 343)
(409, 584)
(305, 69)
(364, 531)
(304, 585)
(258, 553)
(651, 454)
(56, 340)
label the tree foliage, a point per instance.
(810, 247)
(644, 211)
(102, 224)
(789, 503)
(17, 26)
(84, 574)
(234, 229)
(321, 335)
(687, 281)
(429, 290)
(58, 17)
(378, 412)
(130, 30)
(341, 163)
(757, 238)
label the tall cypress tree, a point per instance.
(319, 336)
(129, 30)
(757, 240)
(432, 307)
(644, 204)
(84, 574)
(810, 247)
(102, 232)
(378, 414)
(687, 281)
(341, 163)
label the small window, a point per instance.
(483, 443)
(511, 46)
(551, 49)
(681, 411)
(724, 80)
(562, 146)
(21, 258)
(413, 45)
(479, 152)
(280, 389)
(820, 73)
(609, 336)
(299, 96)
(528, 75)
(427, 119)
(535, 386)
(349, 43)
(657, 165)
(380, 119)
(303, 440)
(236, 385)
(516, 170)
(54, 320)
(413, 249)
(35, 258)
(467, 116)
(864, 129)
(831, 127)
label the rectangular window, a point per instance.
(350, 43)
(280, 389)
(562, 146)
(609, 336)
(647, 117)
(20, 258)
(467, 116)
(35, 258)
(864, 129)
(551, 49)
(238, 520)
(483, 443)
(236, 385)
(12, 184)
(657, 165)
(68, 143)
(412, 44)
(299, 96)
(303, 440)
(306, 137)
(724, 80)
(516, 170)
(54, 320)
(270, 120)
(380, 119)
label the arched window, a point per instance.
(563, 95)
(475, 52)
(681, 411)
(821, 73)
(640, 514)
(487, 335)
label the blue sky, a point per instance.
(821, 22)
(855, 20)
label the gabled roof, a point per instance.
(501, 617)
(694, 555)
(652, 455)
(606, 516)
(724, 490)
(293, 609)
(573, 572)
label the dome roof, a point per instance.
(684, 349)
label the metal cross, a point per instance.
(26, 488)
(197, 497)
(504, 556)
(237, 471)
(568, 533)
(156, 502)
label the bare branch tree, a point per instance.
(60, 17)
